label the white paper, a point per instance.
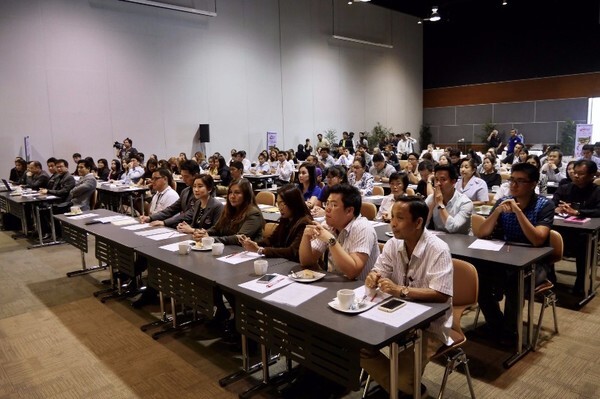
(397, 318)
(135, 227)
(83, 216)
(239, 257)
(173, 247)
(377, 224)
(278, 282)
(164, 236)
(109, 219)
(488, 245)
(264, 206)
(295, 294)
(124, 222)
(155, 231)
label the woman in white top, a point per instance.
(470, 184)
(360, 178)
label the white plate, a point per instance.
(367, 304)
(72, 214)
(389, 233)
(200, 248)
(317, 277)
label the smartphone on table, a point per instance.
(266, 278)
(392, 305)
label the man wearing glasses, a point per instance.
(449, 209)
(521, 217)
(580, 198)
(348, 239)
(164, 195)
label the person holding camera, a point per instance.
(125, 151)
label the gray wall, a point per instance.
(539, 121)
(76, 75)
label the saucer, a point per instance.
(317, 276)
(335, 305)
(200, 248)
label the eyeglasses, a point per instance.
(518, 182)
(331, 205)
(395, 184)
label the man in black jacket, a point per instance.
(60, 185)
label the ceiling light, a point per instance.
(434, 14)
(504, 2)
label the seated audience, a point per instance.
(307, 181)
(360, 178)
(349, 238)
(115, 170)
(554, 167)
(17, 174)
(417, 266)
(207, 209)
(521, 217)
(543, 179)
(426, 183)
(262, 167)
(165, 196)
(36, 177)
(103, 171)
(283, 170)
(286, 238)
(381, 170)
(470, 184)
(81, 194)
(134, 173)
(489, 174)
(449, 209)
(335, 175)
(398, 187)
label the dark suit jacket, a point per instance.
(251, 226)
(180, 210)
(285, 241)
(61, 185)
(212, 212)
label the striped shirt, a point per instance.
(430, 266)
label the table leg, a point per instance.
(520, 350)
(418, 353)
(38, 223)
(394, 370)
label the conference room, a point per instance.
(81, 75)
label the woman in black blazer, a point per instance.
(207, 209)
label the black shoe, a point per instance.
(147, 298)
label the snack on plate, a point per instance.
(308, 274)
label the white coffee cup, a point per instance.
(217, 248)
(207, 242)
(345, 298)
(486, 208)
(260, 267)
(184, 248)
(75, 209)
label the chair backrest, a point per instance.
(597, 181)
(403, 163)
(368, 210)
(378, 190)
(476, 221)
(269, 229)
(465, 291)
(93, 199)
(266, 198)
(381, 245)
(556, 242)
(491, 198)
(410, 192)
(505, 176)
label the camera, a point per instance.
(118, 145)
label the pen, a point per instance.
(275, 282)
(235, 253)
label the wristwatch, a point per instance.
(331, 242)
(404, 291)
(441, 207)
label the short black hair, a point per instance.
(337, 171)
(86, 162)
(60, 160)
(164, 172)
(378, 158)
(237, 164)
(592, 168)
(425, 165)
(530, 170)
(76, 155)
(350, 196)
(403, 177)
(417, 207)
(588, 147)
(452, 174)
(454, 153)
(51, 160)
(191, 166)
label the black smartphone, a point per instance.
(266, 278)
(392, 305)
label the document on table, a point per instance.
(135, 227)
(397, 318)
(124, 222)
(377, 224)
(83, 216)
(239, 257)
(295, 294)
(276, 283)
(155, 231)
(109, 219)
(488, 245)
(175, 246)
(164, 236)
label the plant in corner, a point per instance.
(378, 135)
(425, 136)
(567, 137)
(331, 136)
(487, 129)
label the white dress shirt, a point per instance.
(459, 209)
(163, 200)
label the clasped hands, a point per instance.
(317, 231)
(508, 206)
(247, 243)
(565, 207)
(386, 285)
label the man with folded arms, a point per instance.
(182, 209)
(36, 177)
(449, 209)
(580, 198)
(60, 185)
(415, 265)
(521, 217)
(381, 170)
(84, 188)
(347, 237)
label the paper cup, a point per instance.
(217, 248)
(207, 242)
(260, 267)
(345, 298)
(184, 248)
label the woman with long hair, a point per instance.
(489, 174)
(103, 170)
(286, 238)
(543, 181)
(307, 181)
(115, 170)
(335, 175)
(207, 210)
(240, 216)
(470, 184)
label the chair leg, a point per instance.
(554, 313)
(476, 317)
(465, 363)
(451, 361)
(366, 389)
(538, 329)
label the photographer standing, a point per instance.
(125, 151)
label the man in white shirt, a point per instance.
(554, 168)
(348, 238)
(415, 265)
(345, 158)
(325, 160)
(402, 147)
(135, 172)
(450, 210)
(164, 195)
(381, 170)
(241, 156)
(284, 170)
